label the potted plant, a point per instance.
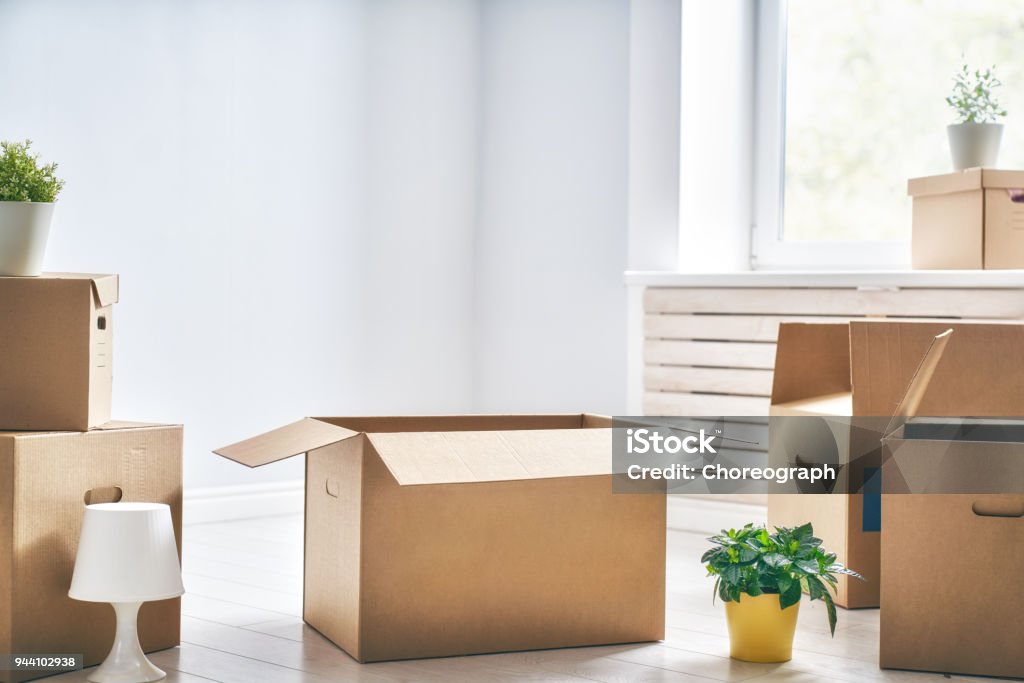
(27, 193)
(761, 577)
(974, 141)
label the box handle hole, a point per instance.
(103, 494)
(998, 508)
(333, 488)
(101, 322)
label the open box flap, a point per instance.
(915, 392)
(105, 289)
(284, 442)
(811, 360)
(415, 458)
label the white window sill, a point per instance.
(881, 279)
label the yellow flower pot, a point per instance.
(760, 630)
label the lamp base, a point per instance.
(126, 663)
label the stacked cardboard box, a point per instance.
(58, 452)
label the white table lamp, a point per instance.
(127, 555)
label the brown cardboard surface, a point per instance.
(511, 565)
(435, 536)
(1004, 230)
(56, 351)
(6, 540)
(946, 610)
(333, 557)
(961, 615)
(811, 360)
(976, 377)
(812, 377)
(967, 219)
(979, 374)
(42, 504)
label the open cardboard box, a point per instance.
(953, 537)
(453, 535)
(862, 369)
(46, 479)
(56, 351)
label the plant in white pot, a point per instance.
(974, 141)
(28, 190)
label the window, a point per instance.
(850, 104)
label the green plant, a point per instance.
(791, 560)
(22, 178)
(972, 96)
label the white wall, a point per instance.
(336, 207)
(551, 247)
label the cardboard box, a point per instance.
(812, 378)
(862, 369)
(435, 536)
(56, 351)
(968, 219)
(46, 478)
(953, 539)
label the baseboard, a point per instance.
(709, 515)
(225, 503)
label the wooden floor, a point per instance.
(242, 624)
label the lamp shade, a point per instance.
(127, 553)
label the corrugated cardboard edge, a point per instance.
(6, 538)
(918, 386)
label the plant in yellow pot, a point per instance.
(761, 577)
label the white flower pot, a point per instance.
(974, 144)
(24, 229)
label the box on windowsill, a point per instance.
(969, 219)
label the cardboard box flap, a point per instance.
(912, 398)
(416, 458)
(960, 181)
(811, 359)
(285, 442)
(105, 288)
(996, 178)
(965, 181)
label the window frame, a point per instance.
(768, 248)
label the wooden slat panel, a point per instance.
(714, 380)
(716, 354)
(978, 303)
(667, 403)
(759, 328)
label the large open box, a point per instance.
(968, 219)
(862, 369)
(432, 536)
(56, 351)
(953, 540)
(46, 478)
